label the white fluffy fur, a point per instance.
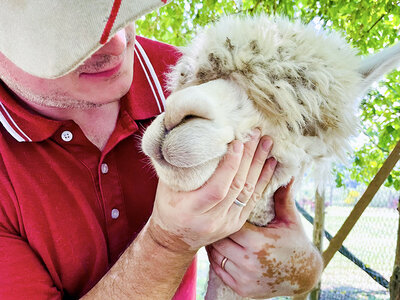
(298, 85)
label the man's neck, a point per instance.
(97, 123)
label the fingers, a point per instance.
(263, 180)
(254, 158)
(250, 148)
(227, 247)
(228, 260)
(215, 259)
(283, 200)
(285, 207)
(258, 163)
(226, 265)
(219, 184)
(252, 176)
(250, 236)
(240, 187)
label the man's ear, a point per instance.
(375, 66)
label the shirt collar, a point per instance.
(148, 92)
(23, 124)
(145, 98)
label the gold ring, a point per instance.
(223, 262)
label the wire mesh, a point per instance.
(372, 240)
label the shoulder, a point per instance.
(9, 211)
(153, 61)
(162, 55)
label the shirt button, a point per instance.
(115, 213)
(66, 136)
(104, 168)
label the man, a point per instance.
(76, 194)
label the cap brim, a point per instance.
(49, 39)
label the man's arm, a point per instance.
(265, 262)
(146, 270)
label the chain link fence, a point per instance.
(371, 243)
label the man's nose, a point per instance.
(115, 46)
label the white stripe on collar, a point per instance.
(21, 136)
(156, 86)
(160, 109)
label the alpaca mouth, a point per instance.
(193, 145)
(168, 157)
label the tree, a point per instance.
(367, 25)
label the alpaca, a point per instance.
(298, 85)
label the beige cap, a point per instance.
(49, 38)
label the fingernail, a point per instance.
(237, 146)
(267, 144)
(255, 133)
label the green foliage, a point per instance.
(367, 25)
(177, 22)
(380, 120)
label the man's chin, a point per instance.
(107, 92)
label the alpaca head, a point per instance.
(296, 84)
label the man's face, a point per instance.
(104, 77)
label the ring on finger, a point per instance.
(223, 262)
(239, 203)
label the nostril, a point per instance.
(170, 122)
(188, 118)
(187, 104)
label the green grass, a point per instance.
(373, 238)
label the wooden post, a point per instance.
(318, 233)
(394, 286)
(362, 204)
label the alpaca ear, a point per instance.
(375, 66)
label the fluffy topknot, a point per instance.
(298, 77)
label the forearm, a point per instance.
(146, 270)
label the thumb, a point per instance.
(285, 207)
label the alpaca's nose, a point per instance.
(192, 102)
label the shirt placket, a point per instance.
(114, 207)
(107, 184)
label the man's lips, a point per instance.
(105, 73)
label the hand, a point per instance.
(264, 262)
(186, 221)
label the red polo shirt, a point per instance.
(68, 210)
